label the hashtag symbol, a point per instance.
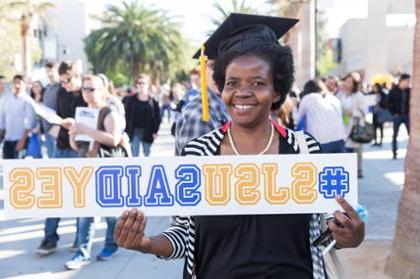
(333, 181)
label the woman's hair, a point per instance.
(143, 76)
(280, 59)
(42, 90)
(355, 80)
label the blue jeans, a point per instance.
(50, 143)
(86, 232)
(333, 147)
(398, 120)
(51, 224)
(138, 138)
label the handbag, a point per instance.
(33, 148)
(362, 133)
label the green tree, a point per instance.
(135, 38)
(324, 55)
(236, 6)
(26, 11)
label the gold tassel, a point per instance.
(204, 99)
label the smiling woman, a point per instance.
(253, 71)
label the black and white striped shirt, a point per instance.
(182, 234)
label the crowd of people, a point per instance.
(128, 123)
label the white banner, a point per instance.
(217, 185)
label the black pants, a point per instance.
(398, 120)
(376, 126)
(9, 150)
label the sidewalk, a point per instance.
(379, 191)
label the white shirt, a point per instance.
(17, 116)
(323, 117)
(353, 106)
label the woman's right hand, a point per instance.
(129, 231)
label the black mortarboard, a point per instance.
(242, 32)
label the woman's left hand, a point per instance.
(351, 231)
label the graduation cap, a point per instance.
(240, 33)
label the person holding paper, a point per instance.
(253, 71)
(106, 142)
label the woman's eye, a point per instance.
(230, 84)
(258, 83)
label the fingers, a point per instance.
(132, 215)
(347, 208)
(343, 219)
(135, 229)
(120, 223)
(118, 228)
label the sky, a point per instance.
(196, 15)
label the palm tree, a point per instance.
(136, 38)
(26, 10)
(236, 6)
(403, 262)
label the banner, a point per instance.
(216, 185)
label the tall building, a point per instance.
(70, 24)
(380, 43)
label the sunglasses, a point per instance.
(67, 81)
(88, 89)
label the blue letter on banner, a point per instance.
(186, 190)
(108, 186)
(133, 174)
(158, 192)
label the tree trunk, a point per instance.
(135, 71)
(26, 44)
(404, 260)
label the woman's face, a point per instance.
(143, 85)
(348, 84)
(93, 92)
(36, 88)
(248, 90)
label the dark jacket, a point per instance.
(67, 102)
(397, 102)
(152, 124)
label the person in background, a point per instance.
(354, 109)
(117, 106)
(190, 124)
(323, 117)
(142, 117)
(194, 89)
(106, 143)
(50, 100)
(69, 97)
(3, 92)
(283, 113)
(167, 99)
(380, 105)
(17, 122)
(331, 82)
(37, 94)
(399, 105)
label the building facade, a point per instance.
(380, 43)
